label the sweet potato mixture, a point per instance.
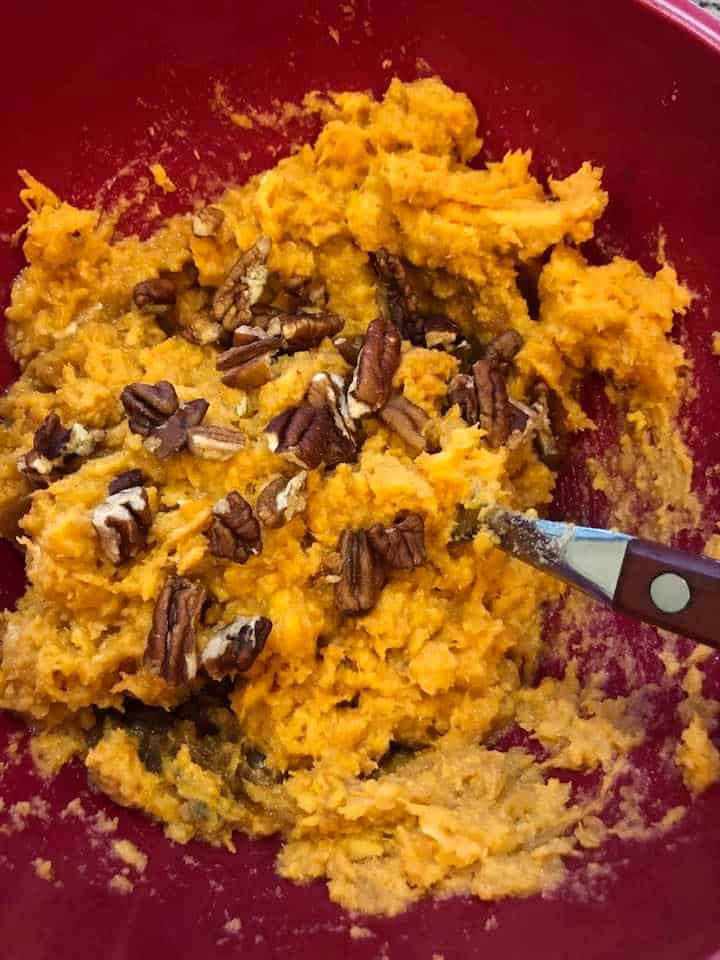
(237, 460)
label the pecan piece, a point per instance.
(56, 451)
(207, 221)
(307, 329)
(349, 348)
(402, 545)
(361, 573)
(234, 532)
(407, 420)
(535, 423)
(215, 443)
(302, 434)
(248, 364)
(148, 405)
(243, 286)
(396, 297)
(493, 404)
(281, 499)
(503, 348)
(122, 522)
(461, 391)
(441, 333)
(155, 296)
(310, 290)
(170, 437)
(125, 480)
(235, 648)
(376, 366)
(171, 646)
(328, 390)
(201, 329)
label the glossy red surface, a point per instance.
(90, 88)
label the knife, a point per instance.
(669, 588)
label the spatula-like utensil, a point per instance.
(670, 588)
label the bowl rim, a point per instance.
(689, 17)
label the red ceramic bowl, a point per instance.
(87, 90)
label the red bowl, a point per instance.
(88, 90)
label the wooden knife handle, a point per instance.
(671, 588)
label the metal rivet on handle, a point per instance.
(670, 592)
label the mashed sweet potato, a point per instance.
(371, 742)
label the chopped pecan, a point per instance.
(200, 328)
(207, 221)
(307, 329)
(503, 348)
(249, 364)
(243, 286)
(170, 437)
(302, 434)
(125, 480)
(310, 290)
(376, 366)
(441, 333)
(148, 405)
(328, 390)
(535, 423)
(461, 391)
(361, 573)
(56, 451)
(349, 348)
(402, 545)
(397, 300)
(407, 420)
(215, 443)
(155, 296)
(281, 499)
(122, 522)
(235, 648)
(246, 334)
(234, 532)
(493, 404)
(171, 645)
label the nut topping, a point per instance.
(441, 333)
(307, 329)
(503, 348)
(309, 290)
(215, 443)
(249, 363)
(281, 499)
(234, 532)
(56, 451)
(302, 434)
(362, 575)
(171, 651)
(122, 522)
(461, 391)
(155, 296)
(243, 286)
(170, 437)
(207, 222)
(349, 348)
(401, 546)
(376, 366)
(407, 420)
(397, 300)
(235, 647)
(148, 405)
(125, 480)
(328, 390)
(493, 404)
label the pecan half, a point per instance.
(234, 532)
(349, 348)
(171, 645)
(122, 522)
(281, 499)
(148, 405)
(302, 434)
(170, 437)
(56, 451)
(493, 404)
(407, 420)
(215, 443)
(376, 366)
(307, 329)
(235, 648)
(243, 286)
(125, 480)
(155, 296)
(402, 545)
(396, 297)
(328, 390)
(361, 573)
(248, 364)
(207, 221)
